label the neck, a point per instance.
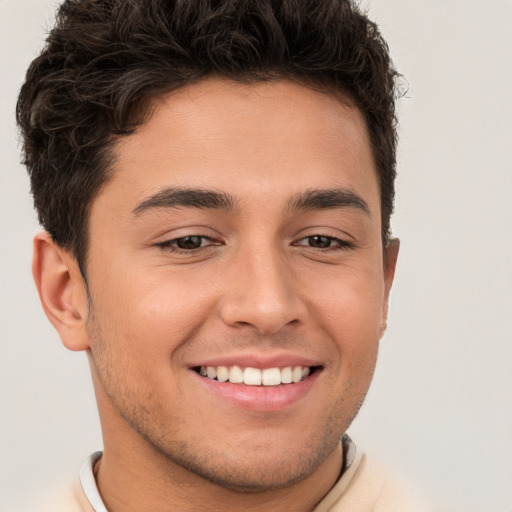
(130, 481)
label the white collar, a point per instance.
(89, 483)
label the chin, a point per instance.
(252, 467)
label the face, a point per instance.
(239, 237)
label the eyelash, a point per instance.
(335, 244)
(168, 244)
(340, 244)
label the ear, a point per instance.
(62, 291)
(390, 258)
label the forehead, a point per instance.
(263, 138)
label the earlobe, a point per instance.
(390, 259)
(61, 290)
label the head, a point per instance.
(216, 179)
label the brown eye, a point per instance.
(319, 241)
(189, 242)
(324, 242)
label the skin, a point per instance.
(260, 285)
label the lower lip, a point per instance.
(259, 398)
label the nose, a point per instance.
(261, 293)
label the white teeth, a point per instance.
(297, 374)
(222, 373)
(286, 375)
(271, 377)
(254, 376)
(236, 375)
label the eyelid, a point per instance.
(170, 242)
(341, 244)
(175, 241)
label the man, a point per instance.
(216, 181)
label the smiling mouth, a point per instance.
(256, 376)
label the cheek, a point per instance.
(350, 302)
(350, 310)
(146, 318)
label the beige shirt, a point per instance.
(362, 487)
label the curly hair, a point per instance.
(105, 62)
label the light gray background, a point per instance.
(440, 407)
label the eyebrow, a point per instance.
(313, 199)
(177, 197)
(319, 199)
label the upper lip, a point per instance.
(261, 361)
